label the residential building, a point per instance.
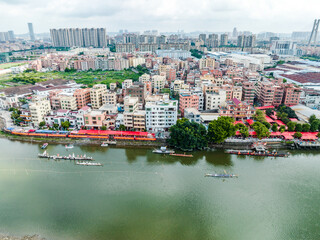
(126, 83)
(82, 97)
(291, 95)
(109, 97)
(192, 114)
(158, 82)
(215, 100)
(96, 94)
(248, 92)
(39, 107)
(237, 110)
(94, 119)
(161, 115)
(138, 90)
(188, 101)
(78, 37)
(68, 102)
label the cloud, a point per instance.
(164, 15)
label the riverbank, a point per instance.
(27, 237)
(86, 141)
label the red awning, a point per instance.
(250, 121)
(116, 133)
(264, 107)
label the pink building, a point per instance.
(188, 101)
(237, 109)
(55, 99)
(94, 119)
(291, 95)
(265, 93)
(82, 97)
(248, 92)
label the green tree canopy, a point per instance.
(220, 129)
(103, 128)
(291, 126)
(312, 118)
(261, 130)
(282, 128)
(297, 135)
(188, 135)
(274, 127)
(305, 127)
(298, 127)
(243, 129)
(259, 116)
(65, 124)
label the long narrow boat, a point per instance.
(89, 164)
(258, 153)
(181, 155)
(221, 175)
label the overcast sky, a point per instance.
(163, 15)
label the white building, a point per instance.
(158, 82)
(175, 54)
(215, 99)
(39, 108)
(161, 115)
(192, 114)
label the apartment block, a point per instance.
(68, 102)
(96, 94)
(161, 115)
(237, 109)
(109, 97)
(215, 100)
(39, 107)
(138, 90)
(248, 92)
(82, 97)
(158, 82)
(188, 101)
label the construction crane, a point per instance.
(314, 33)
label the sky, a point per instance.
(163, 15)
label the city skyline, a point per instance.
(169, 16)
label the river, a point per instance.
(138, 195)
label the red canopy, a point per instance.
(279, 122)
(264, 107)
(250, 121)
(117, 133)
(269, 119)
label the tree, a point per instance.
(274, 127)
(187, 135)
(41, 124)
(312, 118)
(315, 124)
(305, 127)
(297, 135)
(259, 116)
(55, 126)
(122, 127)
(65, 124)
(291, 126)
(269, 112)
(261, 130)
(243, 129)
(282, 128)
(298, 127)
(266, 124)
(220, 129)
(318, 135)
(103, 128)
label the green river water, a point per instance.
(138, 195)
